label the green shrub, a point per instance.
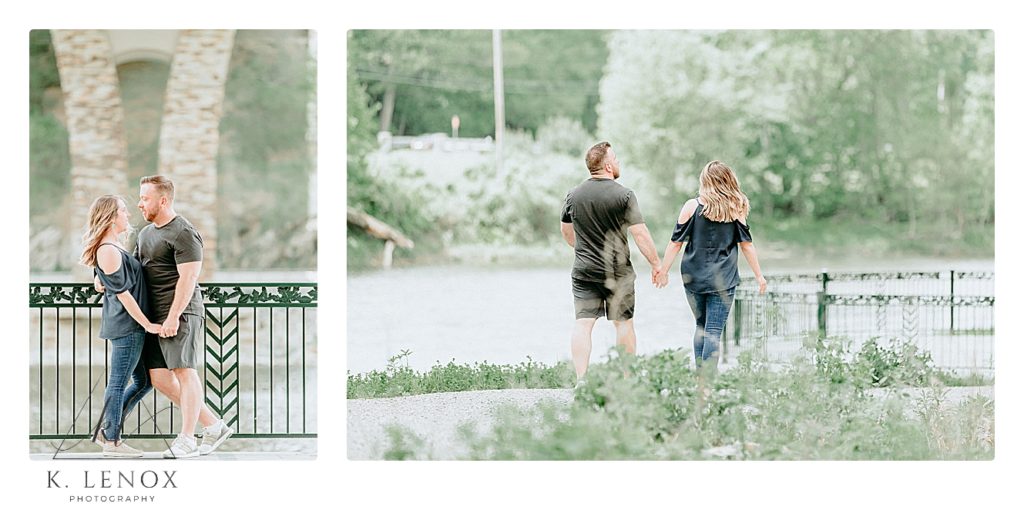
(397, 379)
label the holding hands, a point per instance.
(169, 327)
(659, 277)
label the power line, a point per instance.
(520, 87)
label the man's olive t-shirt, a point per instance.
(601, 211)
(161, 249)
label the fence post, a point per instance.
(952, 297)
(737, 321)
(822, 306)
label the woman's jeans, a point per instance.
(118, 400)
(711, 311)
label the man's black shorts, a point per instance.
(614, 299)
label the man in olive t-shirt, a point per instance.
(595, 218)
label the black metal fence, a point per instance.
(259, 362)
(949, 314)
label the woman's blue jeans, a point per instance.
(711, 311)
(120, 397)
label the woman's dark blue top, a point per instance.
(116, 320)
(709, 256)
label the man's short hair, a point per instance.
(162, 184)
(595, 157)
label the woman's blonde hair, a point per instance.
(720, 192)
(102, 214)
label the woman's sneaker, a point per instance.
(183, 447)
(116, 449)
(214, 436)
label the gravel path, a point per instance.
(436, 417)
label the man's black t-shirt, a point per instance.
(161, 249)
(601, 211)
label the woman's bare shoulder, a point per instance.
(108, 258)
(688, 208)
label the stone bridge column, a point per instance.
(189, 134)
(95, 124)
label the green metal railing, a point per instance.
(948, 313)
(258, 364)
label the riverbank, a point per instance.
(787, 244)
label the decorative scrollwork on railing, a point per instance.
(777, 297)
(896, 275)
(249, 294)
(975, 275)
(853, 277)
(794, 278)
(832, 299)
(69, 294)
(83, 294)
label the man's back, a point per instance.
(601, 211)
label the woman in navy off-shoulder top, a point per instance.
(710, 231)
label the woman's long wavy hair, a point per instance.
(102, 214)
(720, 192)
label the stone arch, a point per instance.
(142, 45)
(95, 124)
(189, 133)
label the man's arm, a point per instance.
(569, 234)
(674, 247)
(643, 239)
(188, 277)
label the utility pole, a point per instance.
(499, 100)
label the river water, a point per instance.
(505, 315)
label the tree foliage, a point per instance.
(49, 156)
(421, 78)
(894, 126)
(264, 153)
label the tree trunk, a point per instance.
(387, 110)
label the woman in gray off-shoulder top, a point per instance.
(124, 322)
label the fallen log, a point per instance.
(378, 228)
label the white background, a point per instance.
(333, 482)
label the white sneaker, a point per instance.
(116, 449)
(183, 447)
(212, 440)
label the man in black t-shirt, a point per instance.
(171, 251)
(596, 216)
